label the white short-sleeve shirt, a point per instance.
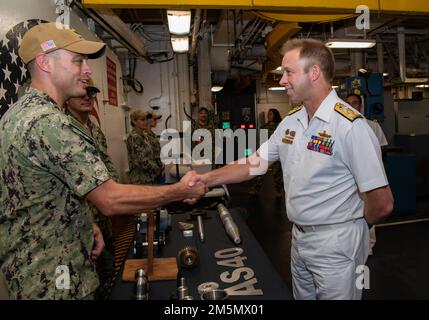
(326, 162)
(378, 132)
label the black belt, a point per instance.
(323, 227)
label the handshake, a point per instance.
(193, 187)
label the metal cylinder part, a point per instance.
(188, 233)
(200, 228)
(229, 224)
(182, 292)
(207, 286)
(217, 294)
(188, 257)
(142, 285)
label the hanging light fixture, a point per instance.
(179, 25)
(216, 88)
(180, 44)
(350, 43)
(179, 22)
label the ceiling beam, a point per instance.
(304, 17)
(275, 39)
(297, 6)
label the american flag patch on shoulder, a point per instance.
(47, 45)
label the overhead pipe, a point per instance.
(250, 38)
(380, 56)
(195, 31)
(358, 61)
(113, 25)
(402, 60)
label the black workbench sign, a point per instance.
(243, 278)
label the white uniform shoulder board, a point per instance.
(347, 112)
(294, 110)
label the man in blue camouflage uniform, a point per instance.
(50, 169)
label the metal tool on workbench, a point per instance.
(199, 215)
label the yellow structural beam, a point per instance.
(164, 4)
(292, 6)
(275, 39)
(406, 6)
(328, 6)
(281, 32)
(310, 17)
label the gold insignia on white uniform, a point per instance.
(289, 136)
(347, 112)
(294, 110)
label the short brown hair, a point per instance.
(315, 52)
(138, 114)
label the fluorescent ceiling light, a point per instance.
(216, 88)
(349, 43)
(179, 22)
(422, 86)
(180, 44)
(277, 70)
(335, 87)
(276, 88)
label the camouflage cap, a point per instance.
(47, 37)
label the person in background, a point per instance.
(51, 171)
(329, 156)
(355, 101)
(144, 149)
(204, 122)
(79, 110)
(273, 120)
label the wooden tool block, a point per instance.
(163, 269)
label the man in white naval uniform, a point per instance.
(328, 155)
(355, 101)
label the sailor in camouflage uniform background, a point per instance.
(204, 121)
(79, 110)
(144, 149)
(51, 168)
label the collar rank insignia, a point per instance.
(347, 112)
(321, 143)
(295, 110)
(289, 136)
